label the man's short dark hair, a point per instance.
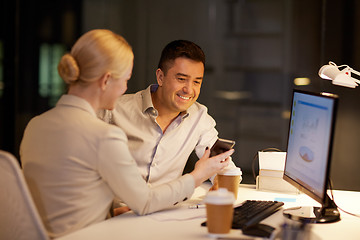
(180, 48)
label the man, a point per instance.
(164, 123)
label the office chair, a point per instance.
(19, 218)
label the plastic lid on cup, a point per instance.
(219, 197)
(231, 171)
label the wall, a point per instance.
(254, 51)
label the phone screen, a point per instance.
(220, 146)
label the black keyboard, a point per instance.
(253, 211)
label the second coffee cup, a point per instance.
(219, 211)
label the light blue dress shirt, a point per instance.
(161, 157)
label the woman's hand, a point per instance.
(206, 167)
(121, 210)
(215, 185)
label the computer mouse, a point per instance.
(259, 230)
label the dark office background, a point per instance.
(255, 49)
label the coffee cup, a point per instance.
(219, 211)
(230, 179)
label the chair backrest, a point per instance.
(19, 218)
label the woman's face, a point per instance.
(115, 88)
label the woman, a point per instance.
(75, 164)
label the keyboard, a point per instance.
(253, 211)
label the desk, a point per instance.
(131, 226)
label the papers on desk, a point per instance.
(181, 212)
(271, 170)
(272, 160)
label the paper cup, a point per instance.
(219, 211)
(230, 179)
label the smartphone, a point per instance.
(220, 146)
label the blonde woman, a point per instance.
(75, 164)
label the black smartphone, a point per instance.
(221, 145)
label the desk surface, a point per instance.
(184, 223)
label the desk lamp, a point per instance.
(339, 77)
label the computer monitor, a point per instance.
(308, 158)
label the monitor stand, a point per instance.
(326, 214)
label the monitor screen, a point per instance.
(311, 131)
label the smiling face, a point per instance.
(180, 87)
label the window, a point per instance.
(51, 86)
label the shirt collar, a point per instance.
(148, 104)
(75, 101)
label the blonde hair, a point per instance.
(95, 53)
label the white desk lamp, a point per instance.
(342, 78)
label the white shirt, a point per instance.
(161, 157)
(75, 164)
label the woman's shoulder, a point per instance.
(103, 126)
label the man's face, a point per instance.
(180, 87)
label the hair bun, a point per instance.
(68, 69)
